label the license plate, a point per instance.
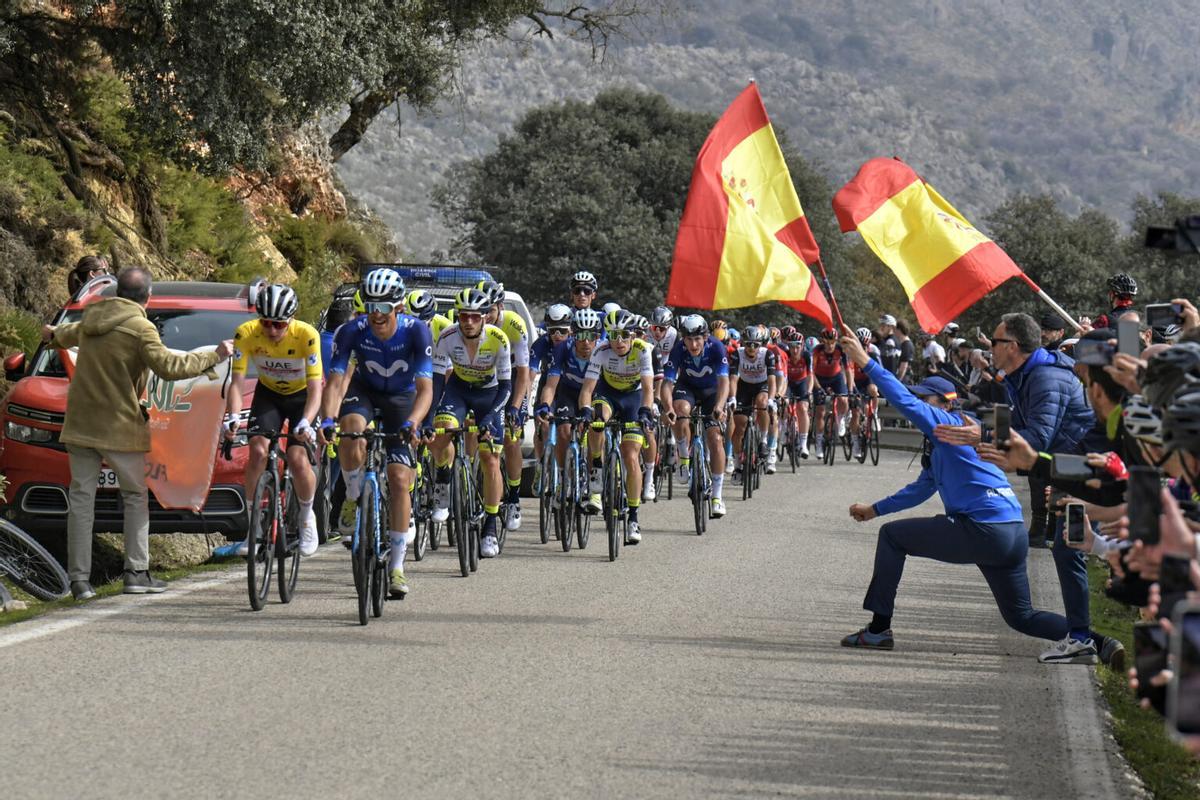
(107, 479)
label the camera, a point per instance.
(1184, 237)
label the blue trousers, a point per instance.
(1071, 566)
(998, 549)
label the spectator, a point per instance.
(85, 269)
(933, 353)
(957, 370)
(907, 352)
(1121, 290)
(1049, 412)
(889, 346)
(117, 344)
(1053, 328)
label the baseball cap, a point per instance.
(933, 385)
(887, 319)
(1052, 322)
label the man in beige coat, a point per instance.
(105, 420)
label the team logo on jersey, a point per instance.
(312, 360)
(238, 354)
(397, 366)
(700, 373)
(272, 365)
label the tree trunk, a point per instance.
(363, 111)
(145, 201)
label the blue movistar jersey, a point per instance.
(697, 372)
(389, 366)
(541, 353)
(568, 366)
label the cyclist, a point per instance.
(720, 330)
(799, 383)
(752, 383)
(663, 332)
(559, 396)
(541, 353)
(863, 388)
(1121, 290)
(392, 375)
(620, 380)
(422, 305)
(583, 289)
(514, 328)
(474, 358)
(287, 355)
(641, 329)
(698, 373)
(778, 395)
(828, 368)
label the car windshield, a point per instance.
(180, 329)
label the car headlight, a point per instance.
(26, 434)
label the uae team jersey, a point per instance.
(752, 369)
(666, 344)
(284, 367)
(390, 365)
(623, 373)
(490, 364)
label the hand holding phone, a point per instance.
(1001, 424)
(1076, 533)
(1145, 504)
(1064, 466)
(1160, 315)
(1129, 340)
(1150, 644)
(1183, 693)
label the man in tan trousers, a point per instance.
(105, 420)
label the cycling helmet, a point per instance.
(276, 302)
(774, 334)
(811, 343)
(662, 316)
(735, 335)
(950, 329)
(359, 306)
(421, 305)
(383, 285)
(753, 335)
(610, 307)
(584, 278)
(787, 333)
(618, 320)
(1181, 421)
(693, 325)
(557, 316)
(640, 324)
(1142, 420)
(828, 333)
(587, 319)
(494, 290)
(1168, 370)
(473, 299)
(1122, 284)
(864, 335)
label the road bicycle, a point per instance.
(465, 524)
(273, 540)
(613, 500)
(546, 480)
(700, 477)
(423, 505)
(789, 430)
(574, 488)
(664, 470)
(750, 452)
(868, 426)
(371, 547)
(30, 566)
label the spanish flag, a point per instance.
(743, 238)
(943, 262)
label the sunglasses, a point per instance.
(380, 307)
(750, 345)
(587, 336)
(1000, 339)
(558, 331)
(620, 336)
(470, 316)
(274, 325)
(582, 290)
(659, 328)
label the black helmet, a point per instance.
(1122, 284)
(494, 290)
(585, 279)
(662, 316)
(1169, 370)
(1181, 421)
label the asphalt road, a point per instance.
(693, 666)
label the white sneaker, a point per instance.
(489, 547)
(514, 517)
(841, 426)
(648, 494)
(718, 508)
(633, 535)
(1070, 651)
(771, 459)
(441, 502)
(729, 466)
(308, 534)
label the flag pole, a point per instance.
(837, 312)
(1050, 302)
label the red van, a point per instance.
(188, 315)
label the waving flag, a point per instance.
(743, 238)
(943, 262)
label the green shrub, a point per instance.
(19, 331)
(314, 288)
(306, 241)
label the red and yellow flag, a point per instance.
(743, 238)
(943, 262)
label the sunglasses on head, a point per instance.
(583, 290)
(275, 325)
(587, 336)
(380, 307)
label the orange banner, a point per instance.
(185, 422)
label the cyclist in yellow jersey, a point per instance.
(620, 379)
(515, 329)
(287, 355)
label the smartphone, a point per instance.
(1094, 352)
(1070, 468)
(1001, 424)
(1175, 575)
(1075, 523)
(1150, 658)
(1129, 340)
(1056, 496)
(1160, 315)
(1183, 693)
(1145, 504)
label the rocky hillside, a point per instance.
(1089, 101)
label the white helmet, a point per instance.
(611, 307)
(276, 302)
(584, 278)
(587, 319)
(384, 285)
(557, 316)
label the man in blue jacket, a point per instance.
(1049, 411)
(982, 524)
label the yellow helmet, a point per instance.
(359, 307)
(720, 330)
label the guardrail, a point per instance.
(897, 432)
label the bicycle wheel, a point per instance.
(545, 483)
(696, 490)
(564, 513)
(287, 544)
(612, 504)
(748, 449)
(458, 517)
(583, 520)
(793, 440)
(669, 460)
(847, 443)
(364, 556)
(379, 582)
(322, 505)
(872, 444)
(260, 555)
(830, 437)
(29, 564)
